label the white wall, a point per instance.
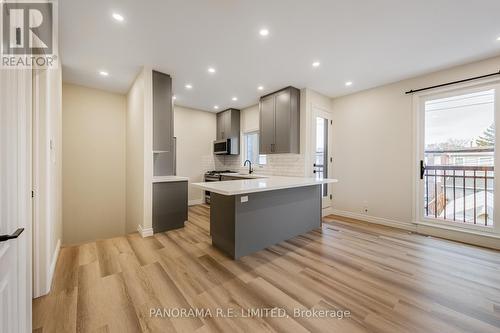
(139, 161)
(47, 176)
(93, 164)
(249, 119)
(373, 147)
(195, 132)
(135, 153)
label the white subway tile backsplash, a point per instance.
(277, 165)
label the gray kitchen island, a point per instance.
(251, 214)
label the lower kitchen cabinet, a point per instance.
(170, 205)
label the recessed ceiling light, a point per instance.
(216, 107)
(118, 17)
(174, 97)
(348, 83)
(188, 86)
(234, 98)
(316, 64)
(498, 39)
(211, 70)
(260, 88)
(263, 32)
(103, 73)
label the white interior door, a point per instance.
(322, 151)
(15, 196)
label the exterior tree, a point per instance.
(450, 144)
(488, 137)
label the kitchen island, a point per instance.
(251, 214)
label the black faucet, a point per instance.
(250, 170)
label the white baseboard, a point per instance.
(144, 232)
(375, 219)
(326, 211)
(52, 268)
(469, 237)
(196, 202)
(463, 236)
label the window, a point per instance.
(251, 148)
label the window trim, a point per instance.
(244, 148)
(418, 101)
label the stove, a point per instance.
(214, 176)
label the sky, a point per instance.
(463, 117)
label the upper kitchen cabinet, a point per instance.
(228, 124)
(280, 122)
(162, 112)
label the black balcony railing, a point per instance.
(460, 193)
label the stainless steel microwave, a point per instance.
(226, 147)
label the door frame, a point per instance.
(19, 90)
(319, 111)
(418, 101)
(38, 252)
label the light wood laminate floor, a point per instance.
(389, 280)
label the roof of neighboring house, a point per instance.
(469, 205)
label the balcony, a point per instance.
(459, 193)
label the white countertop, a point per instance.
(234, 187)
(166, 179)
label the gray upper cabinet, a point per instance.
(280, 122)
(266, 133)
(228, 124)
(162, 112)
(220, 126)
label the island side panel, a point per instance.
(270, 217)
(222, 222)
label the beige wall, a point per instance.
(135, 155)
(373, 147)
(93, 164)
(249, 119)
(47, 177)
(195, 132)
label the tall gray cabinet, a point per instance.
(280, 122)
(170, 197)
(163, 126)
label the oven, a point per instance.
(211, 177)
(214, 176)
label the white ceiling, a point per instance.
(369, 42)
